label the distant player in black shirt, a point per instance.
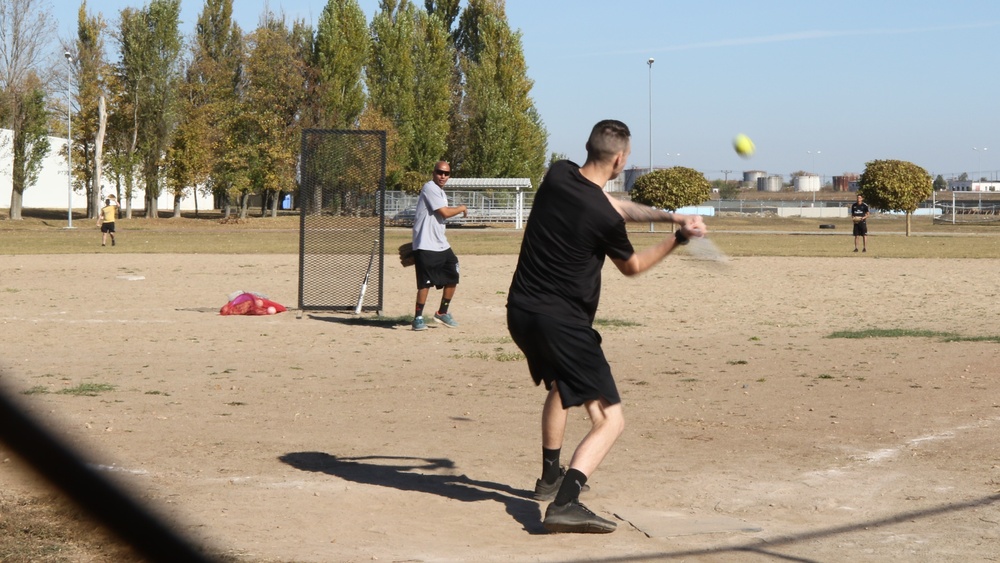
(859, 214)
(551, 304)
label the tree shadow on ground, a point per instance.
(415, 474)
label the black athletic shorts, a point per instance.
(435, 268)
(108, 227)
(565, 354)
(861, 229)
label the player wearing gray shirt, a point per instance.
(436, 263)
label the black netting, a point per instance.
(342, 227)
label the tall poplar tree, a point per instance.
(150, 46)
(268, 129)
(433, 59)
(92, 71)
(342, 49)
(208, 94)
(30, 143)
(25, 28)
(391, 76)
(506, 137)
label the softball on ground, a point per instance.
(743, 145)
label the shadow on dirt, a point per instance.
(376, 321)
(417, 474)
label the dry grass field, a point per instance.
(800, 403)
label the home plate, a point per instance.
(131, 278)
(662, 524)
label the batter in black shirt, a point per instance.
(551, 304)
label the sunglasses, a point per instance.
(443, 172)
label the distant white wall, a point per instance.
(51, 189)
(826, 212)
(52, 192)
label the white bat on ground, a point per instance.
(364, 284)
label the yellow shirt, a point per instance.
(109, 211)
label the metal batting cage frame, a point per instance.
(342, 226)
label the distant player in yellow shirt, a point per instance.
(106, 220)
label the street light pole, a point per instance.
(814, 153)
(650, 63)
(69, 141)
(979, 171)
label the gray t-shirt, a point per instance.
(428, 226)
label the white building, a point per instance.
(971, 186)
(51, 191)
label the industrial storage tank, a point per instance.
(750, 177)
(770, 184)
(843, 183)
(806, 183)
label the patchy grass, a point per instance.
(49, 529)
(995, 339)
(891, 333)
(87, 389)
(738, 234)
(903, 332)
(615, 323)
(508, 357)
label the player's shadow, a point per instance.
(416, 474)
(377, 322)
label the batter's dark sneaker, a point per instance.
(445, 319)
(547, 491)
(573, 517)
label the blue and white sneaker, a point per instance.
(445, 319)
(419, 323)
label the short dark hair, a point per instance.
(608, 138)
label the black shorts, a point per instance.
(435, 268)
(108, 227)
(565, 354)
(861, 229)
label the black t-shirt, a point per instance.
(859, 209)
(571, 228)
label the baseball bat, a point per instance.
(364, 284)
(702, 248)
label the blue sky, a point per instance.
(819, 86)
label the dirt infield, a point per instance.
(752, 435)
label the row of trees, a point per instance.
(893, 185)
(223, 110)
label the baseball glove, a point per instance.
(858, 219)
(406, 254)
